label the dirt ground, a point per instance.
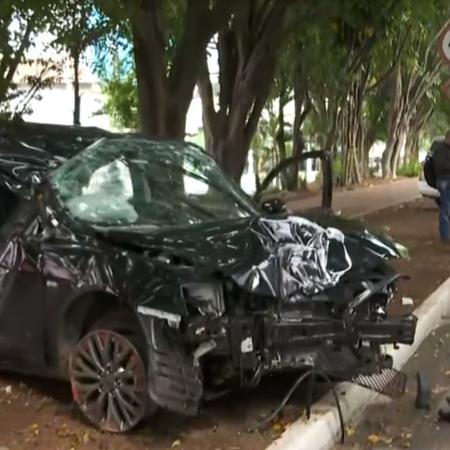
(415, 225)
(37, 414)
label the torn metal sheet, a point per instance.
(296, 259)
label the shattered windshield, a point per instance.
(123, 182)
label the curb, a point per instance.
(382, 208)
(322, 431)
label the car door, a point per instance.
(21, 291)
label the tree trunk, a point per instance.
(303, 106)
(419, 120)
(399, 146)
(281, 136)
(351, 135)
(233, 150)
(247, 52)
(394, 123)
(155, 107)
(369, 140)
(11, 58)
(76, 89)
(256, 170)
(165, 88)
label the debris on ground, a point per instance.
(423, 395)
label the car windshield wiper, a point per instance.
(128, 227)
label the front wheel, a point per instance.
(109, 380)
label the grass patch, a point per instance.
(411, 170)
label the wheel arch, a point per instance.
(81, 312)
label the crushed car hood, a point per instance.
(279, 257)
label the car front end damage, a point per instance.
(313, 298)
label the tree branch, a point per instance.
(205, 88)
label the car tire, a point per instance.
(108, 375)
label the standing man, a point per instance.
(441, 162)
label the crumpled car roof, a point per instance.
(29, 150)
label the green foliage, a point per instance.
(120, 91)
(337, 168)
(19, 20)
(412, 169)
(77, 25)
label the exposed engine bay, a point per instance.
(303, 306)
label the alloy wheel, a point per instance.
(109, 381)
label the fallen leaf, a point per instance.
(176, 443)
(350, 431)
(277, 427)
(447, 372)
(373, 439)
(439, 390)
(86, 437)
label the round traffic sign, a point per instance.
(444, 45)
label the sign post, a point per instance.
(444, 45)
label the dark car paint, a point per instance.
(48, 261)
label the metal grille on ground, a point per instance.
(390, 382)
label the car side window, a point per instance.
(19, 219)
(9, 202)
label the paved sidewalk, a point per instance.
(360, 201)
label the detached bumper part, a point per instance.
(389, 382)
(174, 381)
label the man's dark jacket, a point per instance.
(441, 159)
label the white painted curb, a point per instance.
(388, 205)
(322, 431)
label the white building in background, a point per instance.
(55, 104)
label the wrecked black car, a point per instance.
(139, 272)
